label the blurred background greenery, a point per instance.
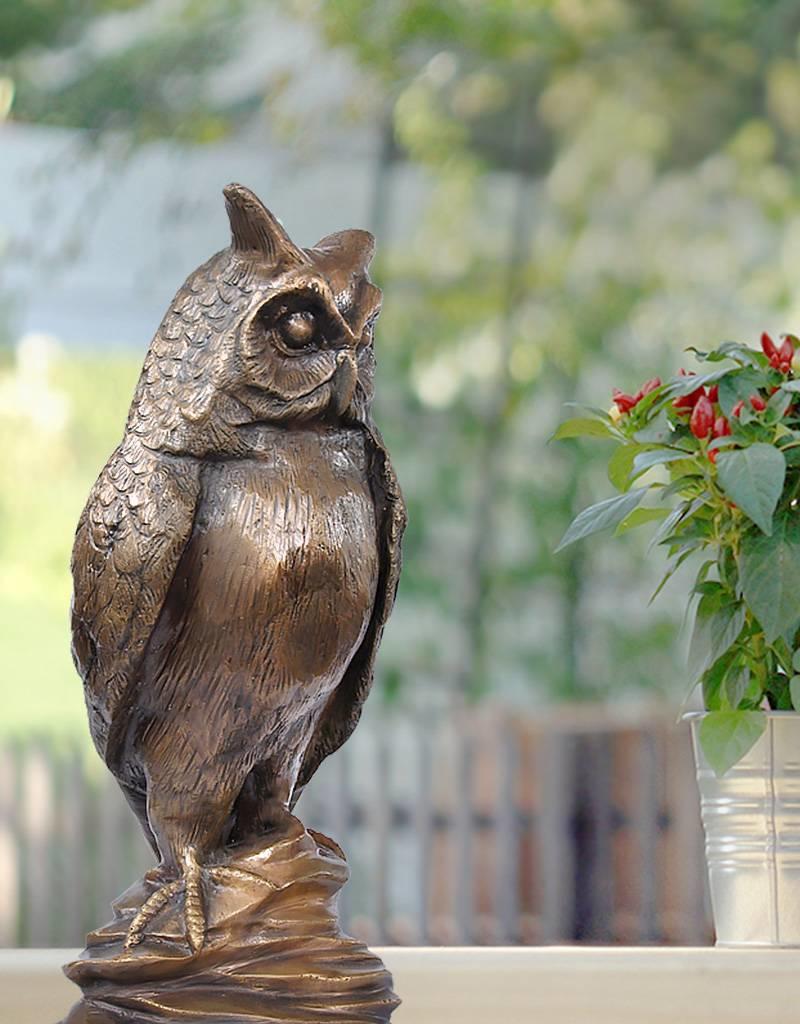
(566, 193)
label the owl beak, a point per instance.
(343, 382)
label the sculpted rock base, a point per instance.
(272, 953)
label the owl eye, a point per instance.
(297, 330)
(369, 330)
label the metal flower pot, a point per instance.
(751, 818)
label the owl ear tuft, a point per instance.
(352, 249)
(254, 230)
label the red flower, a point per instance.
(785, 355)
(712, 455)
(623, 402)
(779, 358)
(702, 419)
(713, 393)
(627, 402)
(721, 427)
(768, 347)
(687, 402)
(758, 403)
(736, 410)
(647, 387)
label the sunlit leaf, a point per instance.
(726, 736)
(647, 459)
(639, 517)
(621, 463)
(582, 427)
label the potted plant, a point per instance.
(714, 459)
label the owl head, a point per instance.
(263, 333)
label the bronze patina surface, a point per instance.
(233, 569)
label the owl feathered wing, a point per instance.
(343, 710)
(128, 543)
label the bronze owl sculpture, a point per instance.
(239, 554)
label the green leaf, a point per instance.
(726, 736)
(686, 385)
(739, 385)
(684, 486)
(639, 517)
(717, 624)
(791, 385)
(792, 456)
(770, 577)
(729, 350)
(777, 406)
(728, 441)
(736, 683)
(687, 466)
(736, 350)
(753, 478)
(620, 465)
(782, 695)
(753, 696)
(705, 586)
(794, 690)
(657, 431)
(591, 409)
(655, 398)
(713, 679)
(582, 427)
(683, 511)
(602, 516)
(647, 459)
(796, 661)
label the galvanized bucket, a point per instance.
(751, 818)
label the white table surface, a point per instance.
(555, 985)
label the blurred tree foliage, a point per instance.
(24, 25)
(638, 159)
(127, 66)
(608, 181)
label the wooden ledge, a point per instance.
(514, 985)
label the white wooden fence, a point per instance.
(484, 829)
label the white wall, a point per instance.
(94, 245)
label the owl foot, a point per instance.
(191, 884)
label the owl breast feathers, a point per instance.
(239, 554)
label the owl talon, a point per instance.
(194, 913)
(193, 906)
(149, 909)
(193, 909)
